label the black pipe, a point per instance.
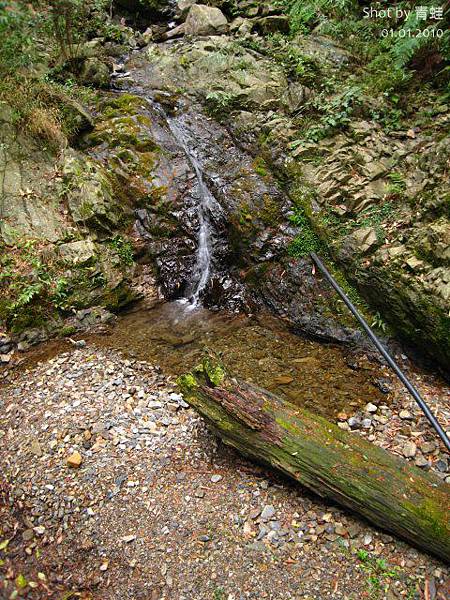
(409, 386)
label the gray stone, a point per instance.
(268, 512)
(205, 20)
(409, 449)
(95, 72)
(354, 422)
(406, 415)
(365, 239)
(442, 465)
(428, 447)
(77, 253)
(421, 462)
(272, 24)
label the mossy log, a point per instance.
(385, 489)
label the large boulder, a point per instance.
(272, 24)
(95, 73)
(90, 195)
(205, 20)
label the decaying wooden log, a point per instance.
(387, 490)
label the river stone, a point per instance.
(205, 20)
(75, 460)
(267, 513)
(409, 449)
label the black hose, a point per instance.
(391, 362)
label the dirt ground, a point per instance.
(155, 508)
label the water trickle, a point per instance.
(207, 204)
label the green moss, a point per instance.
(66, 331)
(187, 382)
(214, 372)
(260, 166)
(432, 516)
(122, 104)
(288, 425)
(307, 240)
(270, 214)
(118, 297)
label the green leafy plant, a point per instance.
(378, 572)
(379, 323)
(17, 47)
(305, 14)
(123, 248)
(219, 594)
(327, 115)
(220, 103)
(295, 63)
(397, 184)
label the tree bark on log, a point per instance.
(385, 489)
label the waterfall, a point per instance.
(207, 202)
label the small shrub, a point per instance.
(328, 115)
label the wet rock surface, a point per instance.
(155, 504)
(249, 216)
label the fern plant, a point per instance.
(305, 14)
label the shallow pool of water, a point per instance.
(260, 349)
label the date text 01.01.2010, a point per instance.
(409, 33)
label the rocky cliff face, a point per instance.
(297, 159)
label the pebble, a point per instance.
(75, 460)
(28, 535)
(35, 448)
(441, 465)
(409, 449)
(421, 462)
(216, 478)
(406, 415)
(340, 529)
(268, 512)
(371, 408)
(128, 539)
(428, 447)
(354, 422)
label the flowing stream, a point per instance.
(206, 203)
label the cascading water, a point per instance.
(207, 203)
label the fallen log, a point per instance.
(387, 490)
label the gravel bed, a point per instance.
(112, 488)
